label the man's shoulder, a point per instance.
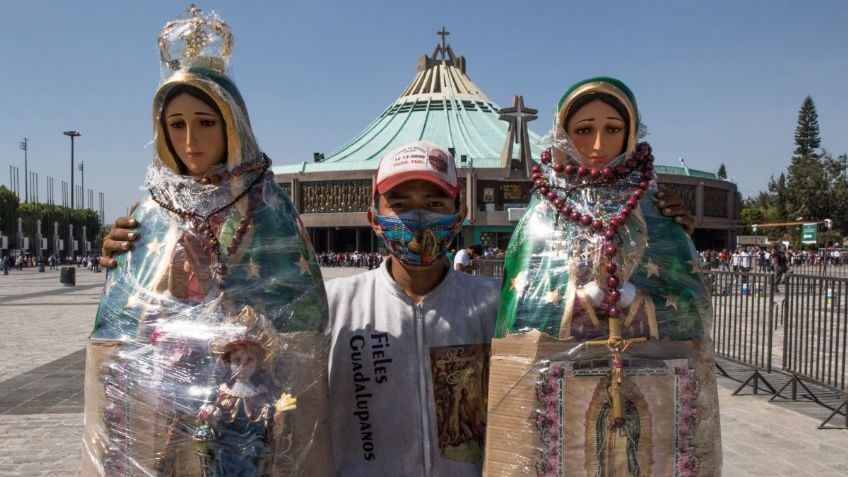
(349, 284)
(478, 285)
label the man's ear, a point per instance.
(463, 212)
(374, 225)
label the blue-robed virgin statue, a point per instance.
(208, 355)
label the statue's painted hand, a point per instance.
(120, 239)
(671, 205)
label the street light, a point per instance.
(72, 135)
(24, 146)
(828, 224)
(81, 168)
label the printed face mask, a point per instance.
(418, 237)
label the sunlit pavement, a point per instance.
(44, 327)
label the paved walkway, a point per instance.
(44, 327)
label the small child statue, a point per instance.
(242, 424)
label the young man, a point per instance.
(410, 339)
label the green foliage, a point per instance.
(807, 139)
(814, 187)
(808, 190)
(778, 197)
(31, 213)
(8, 211)
(722, 171)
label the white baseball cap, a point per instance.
(417, 160)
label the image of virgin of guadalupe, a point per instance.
(604, 304)
(217, 234)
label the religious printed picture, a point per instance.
(584, 436)
(460, 374)
(488, 195)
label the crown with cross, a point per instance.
(201, 39)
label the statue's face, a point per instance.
(243, 362)
(598, 132)
(196, 132)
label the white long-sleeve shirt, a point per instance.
(407, 380)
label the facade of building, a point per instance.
(493, 150)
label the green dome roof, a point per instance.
(441, 105)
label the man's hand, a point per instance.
(120, 239)
(671, 205)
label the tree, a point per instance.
(807, 139)
(778, 197)
(9, 204)
(807, 191)
(722, 171)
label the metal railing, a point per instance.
(743, 322)
(796, 326)
(815, 341)
(820, 269)
(489, 267)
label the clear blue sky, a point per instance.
(716, 81)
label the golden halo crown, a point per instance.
(200, 39)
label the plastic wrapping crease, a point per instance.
(565, 398)
(208, 354)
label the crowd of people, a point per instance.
(350, 259)
(51, 262)
(372, 260)
(767, 259)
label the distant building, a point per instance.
(493, 156)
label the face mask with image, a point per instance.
(418, 237)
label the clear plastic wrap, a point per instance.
(208, 355)
(602, 363)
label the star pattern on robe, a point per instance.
(303, 263)
(696, 267)
(111, 283)
(671, 301)
(559, 246)
(253, 269)
(155, 246)
(519, 281)
(134, 299)
(651, 268)
(552, 297)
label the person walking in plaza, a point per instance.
(779, 265)
(5, 261)
(464, 259)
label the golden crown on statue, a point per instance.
(199, 40)
(248, 328)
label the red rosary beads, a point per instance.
(643, 161)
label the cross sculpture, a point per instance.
(518, 115)
(444, 33)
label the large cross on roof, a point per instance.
(444, 33)
(443, 50)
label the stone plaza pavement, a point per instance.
(44, 327)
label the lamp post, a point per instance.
(828, 224)
(82, 186)
(25, 147)
(72, 135)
